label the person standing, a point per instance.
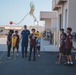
(62, 48)
(62, 31)
(61, 34)
(24, 34)
(38, 45)
(32, 44)
(68, 46)
(51, 37)
(9, 42)
(14, 39)
(17, 41)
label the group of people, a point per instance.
(12, 42)
(66, 46)
(33, 38)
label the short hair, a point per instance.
(11, 31)
(25, 25)
(38, 31)
(16, 31)
(70, 29)
(65, 34)
(33, 29)
(62, 29)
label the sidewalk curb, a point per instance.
(51, 48)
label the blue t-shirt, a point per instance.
(25, 34)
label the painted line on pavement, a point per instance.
(8, 61)
(2, 55)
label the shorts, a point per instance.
(17, 47)
(68, 52)
(38, 47)
(13, 47)
(62, 51)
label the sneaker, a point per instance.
(71, 63)
(57, 62)
(17, 54)
(38, 55)
(68, 63)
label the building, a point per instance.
(50, 19)
(66, 14)
(5, 29)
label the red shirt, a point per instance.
(68, 43)
(9, 38)
(32, 40)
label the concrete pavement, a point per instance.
(45, 65)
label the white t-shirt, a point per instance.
(38, 40)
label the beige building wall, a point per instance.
(54, 24)
(58, 20)
(69, 19)
(50, 19)
(65, 16)
(72, 15)
(47, 24)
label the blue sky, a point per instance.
(15, 10)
